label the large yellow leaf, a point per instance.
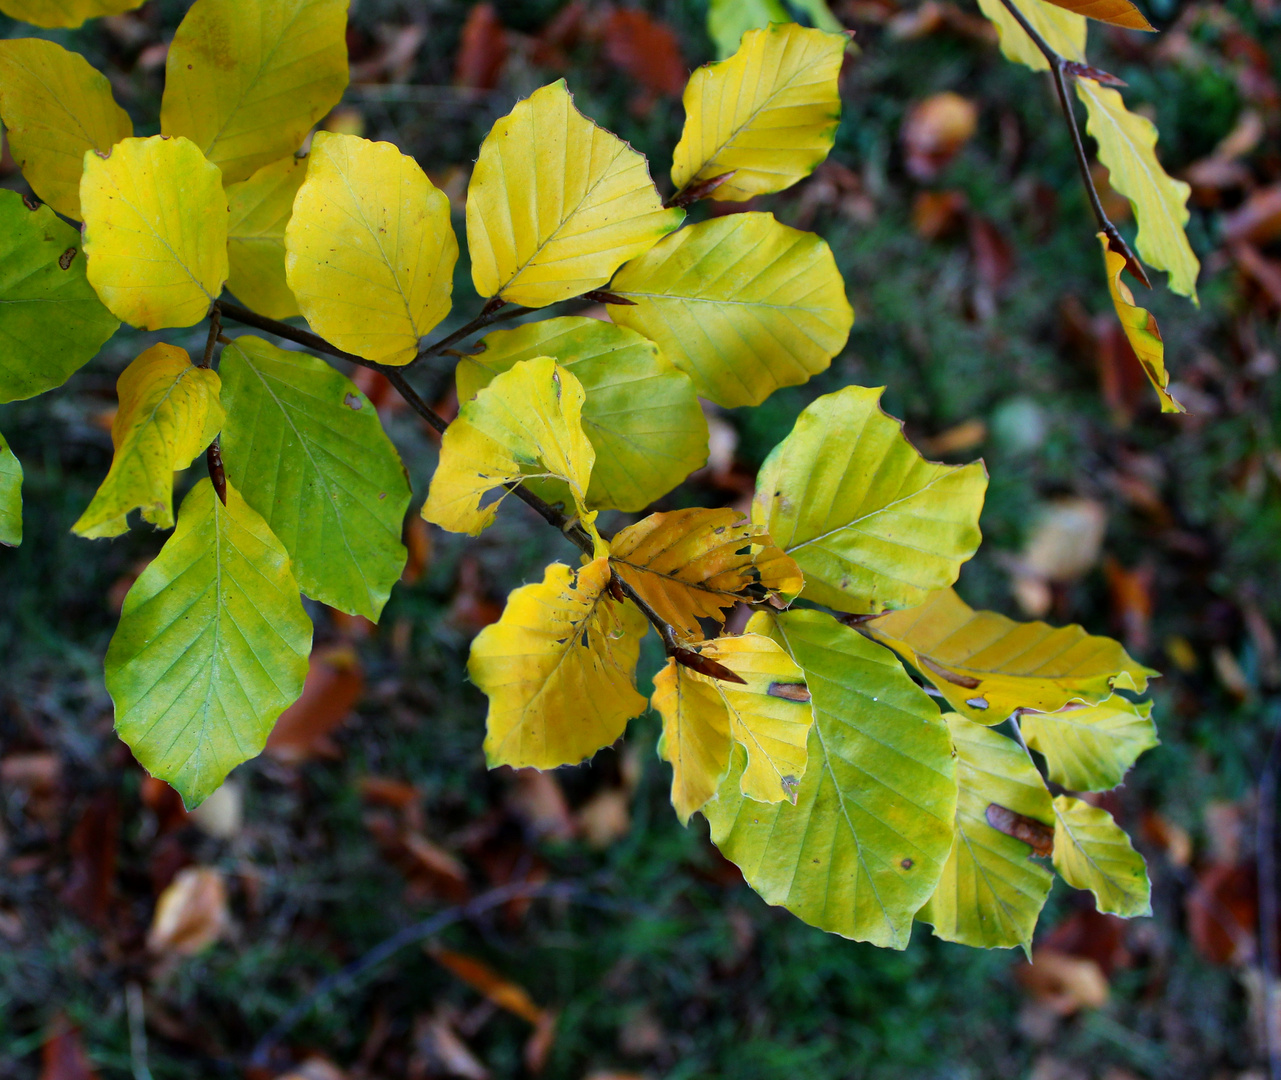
(1117, 12)
(556, 204)
(742, 304)
(986, 665)
(169, 412)
(55, 107)
(155, 231)
(259, 210)
(525, 424)
(768, 714)
(369, 250)
(1091, 851)
(694, 564)
(1091, 747)
(1064, 31)
(246, 79)
(768, 114)
(1127, 146)
(870, 522)
(67, 14)
(559, 669)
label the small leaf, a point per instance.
(729, 20)
(1092, 852)
(742, 304)
(155, 231)
(10, 496)
(55, 107)
(308, 452)
(694, 564)
(168, 413)
(212, 645)
(1064, 31)
(51, 320)
(641, 414)
(525, 424)
(191, 913)
(64, 13)
(1127, 146)
(259, 211)
(768, 114)
(986, 665)
(559, 669)
(556, 204)
(1117, 12)
(1091, 747)
(871, 523)
(369, 250)
(246, 79)
(1140, 329)
(991, 891)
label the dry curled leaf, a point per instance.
(191, 913)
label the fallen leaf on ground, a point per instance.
(441, 1051)
(334, 684)
(63, 1056)
(93, 846)
(935, 131)
(481, 977)
(482, 53)
(647, 49)
(191, 913)
(1064, 984)
(605, 817)
(222, 813)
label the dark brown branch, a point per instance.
(215, 331)
(490, 313)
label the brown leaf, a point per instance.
(1036, 834)
(435, 859)
(937, 214)
(1223, 911)
(419, 542)
(1131, 592)
(384, 791)
(440, 1051)
(482, 53)
(540, 1042)
(537, 798)
(191, 913)
(334, 684)
(935, 131)
(647, 49)
(1094, 935)
(481, 977)
(1264, 272)
(165, 803)
(1062, 983)
(992, 253)
(605, 817)
(63, 1057)
(473, 607)
(93, 845)
(1257, 220)
(1162, 833)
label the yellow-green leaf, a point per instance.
(1064, 31)
(169, 412)
(66, 14)
(55, 107)
(246, 79)
(768, 114)
(986, 665)
(694, 564)
(1140, 328)
(871, 523)
(10, 496)
(742, 304)
(369, 250)
(559, 669)
(556, 204)
(524, 424)
(51, 320)
(1117, 12)
(1091, 747)
(155, 231)
(641, 414)
(864, 845)
(212, 646)
(768, 715)
(729, 20)
(259, 209)
(1091, 851)
(1127, 146)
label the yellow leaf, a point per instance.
(155, 231)
(768, 113)
(559, 669)
(524, 424)
(693, 564)
(986, 665)
(55, 107)
(768, 714)
(259, 210)
(169, 412)
(556, 204)
(1127, 146)
(1064, 31)
(1140, 328)
(1091, 851)
(369, 250)
(1090, 747)
(246, 79)
(742, 304)
(1117, 12)
(67, 14)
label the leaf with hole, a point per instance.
(1091, 747)
(259, 211)
(1092, 852)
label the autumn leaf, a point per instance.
(1064, 31)
(1140, 328)
(259, 211)
(67, 14)
(1091, 747)
(191, 914)
(1092, 852)
(1117, 12)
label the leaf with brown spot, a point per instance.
(1036, 834)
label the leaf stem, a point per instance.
(215, 329)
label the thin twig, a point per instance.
(489, 314)
(1267, 860)
(215, 331)
(135, 1006)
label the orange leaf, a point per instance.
(648, 50)
(1117, 12)
(481, 977)
(334, 685)
(191, 913)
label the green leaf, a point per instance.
(168, 413)
(742, 304)
(51, 321)
(308, 452)
(246, 79)
(212, 646)
(64, 13)
(10, 496)
(1091, 747)
(641, 415)
(1092, 852)
(991, 892)
(729, 20)
(1064, 31)
(864, 845)
(55, 107)
(871, 523)
(259, 210)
